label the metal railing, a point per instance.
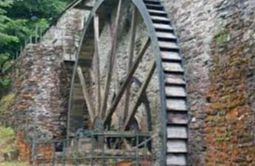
(86, 150)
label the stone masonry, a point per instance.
(42, 83)
(217, 38)
(217, 41)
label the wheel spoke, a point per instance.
(97, 64)
(140, 94)
(85, 93)
(126, 82)
(116, 80)
(111, 62)
(130, 59)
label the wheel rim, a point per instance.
(124, 89)
(92, 36)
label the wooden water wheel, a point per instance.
(128, 78)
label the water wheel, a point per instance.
(131, 80)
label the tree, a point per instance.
(6, 39)
(29, 14)
(18, 21)
(31, 9)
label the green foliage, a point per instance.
(5, 65)
(32, 9)
(3, 59)
(19, 20)
(5, 81)
(5, 37)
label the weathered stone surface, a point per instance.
(41, 87)
(41, 92)
(217, 41)
(217, 38)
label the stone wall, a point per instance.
(41, 92)
(39, 111)
(217, 40)
(66, 33)
(41, 84)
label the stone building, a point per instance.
(217, 41)
(217, 38)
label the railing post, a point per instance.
(20, 50)
(54, 154)
(33, 151)
(36, 33)
(64, 154)
(30, 39)
(136, 153)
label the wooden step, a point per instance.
(176, 160)
(167, 44)
(164, 35)
(172, 67)
(177, 146)
(157, 13)
(170, 56)
(159, 18)
(177, 132)
(174, 79)
(175, 91)
(163, 27)
(177, 118)
(176, 105)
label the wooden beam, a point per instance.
(111, 61)
(97, 64)
(130, 58)
(126, 82)
(85, 93)
(140, 94)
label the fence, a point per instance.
(87, 150)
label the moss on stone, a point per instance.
(6, 102)
(14, 163)
(229, 92)
(7, 140)
(222, 38)
(6, 132)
